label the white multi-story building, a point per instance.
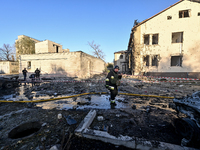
(168, 43)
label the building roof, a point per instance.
(121, 51)
(159, 13)
(198, 1)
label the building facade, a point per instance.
(50, 58)
(168, 43)
(120, 60)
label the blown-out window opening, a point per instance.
(184, 13)
(155, 59)
(146, 39)
(177, 37)
(176, 61)
(146, 60)
(155, 39)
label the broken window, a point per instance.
(155, 39)
(146, 39)
(154, 60)
(176, 61)
(184, 13)
(29, 64)
(169, 17)
(177, 37)
(121, 57)
(146, 60)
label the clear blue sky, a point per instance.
(74, 23)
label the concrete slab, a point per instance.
(86, 122)
(130, 142)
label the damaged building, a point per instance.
(120, 60)
(168, 43)
(50, 58)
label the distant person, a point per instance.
(112, 83)
(32, 77)
(24, 74)
(37, 73)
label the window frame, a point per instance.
(157, 38)
(156, 58)
(145, 37)
(182, 13)
(180, 61)
(173, 34)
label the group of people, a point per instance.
(36, 75)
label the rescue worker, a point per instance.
(112, 82)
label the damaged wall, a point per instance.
(47, 47)
(170, 40)
(73, 64)
(8, 67)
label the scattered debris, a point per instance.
(70, 120)
(138, 116)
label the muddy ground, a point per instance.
(144, 117)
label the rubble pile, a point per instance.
(143, 117)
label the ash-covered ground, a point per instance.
(135, 116)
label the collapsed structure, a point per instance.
(50, 58)
(168, 43)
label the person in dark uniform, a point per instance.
(24, 74)
(37, 73)
(112, 83)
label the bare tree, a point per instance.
(7, 52)
(97, 51)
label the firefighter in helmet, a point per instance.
(112, 82)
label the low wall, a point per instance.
(195, 75)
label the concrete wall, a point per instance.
(8, 67)
(73, 64)
(47, 47)
(91, 65)
(188, 49)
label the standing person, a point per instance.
(37, 73)
(24, 74)
(32, 77)
(112, 82)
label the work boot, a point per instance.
(112, 102)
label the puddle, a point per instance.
(96, 102)
(82, 102)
